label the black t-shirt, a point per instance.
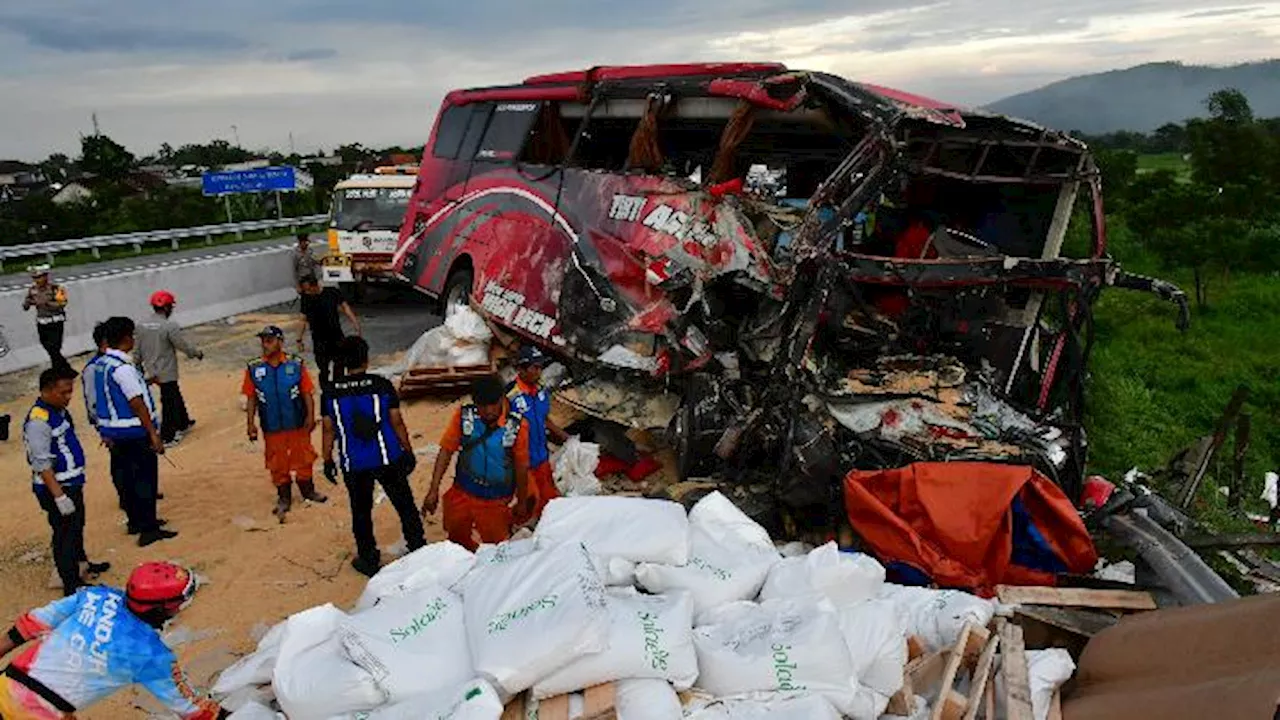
(321, 311)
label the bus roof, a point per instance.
(376, 181)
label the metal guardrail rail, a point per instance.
(95, 244)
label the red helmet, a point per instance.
(159, 586)
(162, 298)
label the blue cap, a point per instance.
(532, 355)
(271, 331)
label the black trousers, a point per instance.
(117, 479)
(139, 479)
(360, 490)
(68, 536)
(173, 411)
(326, 361)
(51, 340)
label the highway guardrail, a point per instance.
(96, 244)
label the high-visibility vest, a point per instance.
(486, 464)
(116, 419)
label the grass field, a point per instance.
(1165, 161)
(1154, 390)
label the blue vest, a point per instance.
(534, 408)
(279, 391)
(68, 454)
(89, 386)
(366, 439)
(485, 465)
(116, 420)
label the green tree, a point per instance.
(105, 157)
(1119, 169)
(56, 167)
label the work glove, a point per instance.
(331, 471)
(66, 506)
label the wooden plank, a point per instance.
(1085, 623)
(976, 641)
(1013, 666)
(515, 710)
(599, 702)
(990, 701)
(951, 706)
(925, 673)
(1075, 597)
(554, 708)
(954, 658)
(981, 677)
(915, 647)
(903, 702)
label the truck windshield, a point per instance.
(370, 208)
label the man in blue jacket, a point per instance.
(57, 474)
(362, 420)
(126, 413)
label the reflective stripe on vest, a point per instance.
(116, 419)
(534, 408)
(485, 468)
(366, 438)
(279, 392)
(68, 453)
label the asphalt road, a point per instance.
(392, 318)
(20, 280)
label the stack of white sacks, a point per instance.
(609, 589)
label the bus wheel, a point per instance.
(457, 290)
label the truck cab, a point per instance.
(365, 214)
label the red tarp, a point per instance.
(954, 521)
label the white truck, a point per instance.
(364, 225)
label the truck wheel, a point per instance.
(457, 290)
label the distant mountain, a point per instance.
(1143, 98)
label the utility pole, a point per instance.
(292, 151)
(235, 131)
(96, 132)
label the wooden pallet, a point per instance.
(598, 703)
(427, 380)
(974, 653)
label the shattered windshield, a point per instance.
(370, 208)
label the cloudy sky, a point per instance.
(373, 71)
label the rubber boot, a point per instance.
(284, 500)
(308, 491)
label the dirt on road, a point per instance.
(219, 498)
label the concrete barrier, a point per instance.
(206, 289)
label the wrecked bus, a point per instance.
(794, 274)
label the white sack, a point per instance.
(729, 557)
(253, 669)
(253, 711)
(313, 678)
(466, 325)
(922, 711)
(636, 529)
(1271, 489)
(619, 573)
(475, 700)
(877, 645)
(492, 554)
(442, 564)
(650, 637)
(937, 616)
(573, 467)
(1047, 670)
(792, 645)
(806, 707)
(412, 645)
(533, 615)
(842, 578)
(646, 700)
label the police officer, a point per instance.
(362, 418)
(57, 474)
(50, 302)
(533, 403)
(281, 396)
(490, 485)
(126, 413)
(86, 647)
